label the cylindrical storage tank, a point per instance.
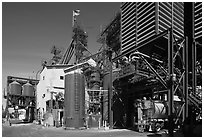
(15, 88)
(74, 100)
(28, 90)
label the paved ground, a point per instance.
(32, 130)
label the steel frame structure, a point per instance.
(172, 83)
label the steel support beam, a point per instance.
(180, 79)
(154, 71)
(185, 83)
(171, 83)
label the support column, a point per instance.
(110, 93)
(194, 67)
(171, 83)
(193, 53)
(51, 101)
(186, 77)
(7, 99)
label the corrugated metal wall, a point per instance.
(198, 20)
(128, 25)
(165, 17)
(143, 20)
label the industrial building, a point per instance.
(51, 83)
(146, 76)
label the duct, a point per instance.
(89, 62)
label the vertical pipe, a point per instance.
(193, 61)
(110, 93)
(194, 67)
(184, 82)
(170, 70)
(186, 77)
(7, 99)
(193, 52)
(171, 87)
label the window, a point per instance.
(61, 77)
(43, 77)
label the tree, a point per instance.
(57, 55)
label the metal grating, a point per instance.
(142, 20)
(198, 20)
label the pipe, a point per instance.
(110, 94)
(186, 77)
(151, 68)
(146, 56)
(171, 87)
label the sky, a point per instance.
(30, 29)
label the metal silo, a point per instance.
(15, 88)
(28, 90)
(74, 100)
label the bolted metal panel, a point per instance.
(74, 103)
(28, 90)
(15, 88)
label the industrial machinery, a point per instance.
(151, 115)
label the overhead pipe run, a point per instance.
(141, 55)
